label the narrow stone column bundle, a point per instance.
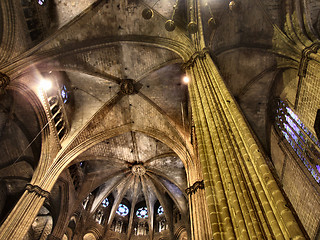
(17, 224)
(200, 228)
(243, 198)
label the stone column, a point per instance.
(244, 200)
(200, 228)
(22, 216)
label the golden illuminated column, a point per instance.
(244, 200)
(200, 229)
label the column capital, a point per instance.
(38, 190)
(194, 188)
(198, 54)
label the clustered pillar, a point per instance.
(200, 229)
(243, 199)
(22, 216)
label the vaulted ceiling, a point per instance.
(94, 47)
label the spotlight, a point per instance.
(186, 79)
(45, 84)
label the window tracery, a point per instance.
(105, 202)
(64, 94)
(142, 212)
(99, 216)
(57, 115)
(302, 141)
(160, 210)
(122, 210)
(162, 225)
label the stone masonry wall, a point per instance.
(309, 101)
(301, 189)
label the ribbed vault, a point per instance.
(137, 171)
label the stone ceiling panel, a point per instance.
(165, 88)
(248, 26)
(112, 19)
(139, 61)
(67, 10)
(90, 94)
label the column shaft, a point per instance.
(21, 217)
(244, 201)
(198, 216)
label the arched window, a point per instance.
(160, 210)
(105, 202)
(305, 145)
(123, 210)
(142, 212)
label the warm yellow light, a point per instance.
(186, 79)
(45, 84)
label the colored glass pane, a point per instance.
(142, 212)
(299, 137)
(123, 210)
(160, 210)
(64, 94)
(105, 202)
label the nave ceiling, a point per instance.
(100, 49)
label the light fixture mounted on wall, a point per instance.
(170, 24)
(147, 13)
(234, 5)
(212, 22)
(192, 25)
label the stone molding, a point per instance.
(38, 190)
(199, 54)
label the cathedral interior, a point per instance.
(159, 119)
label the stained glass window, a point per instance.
(41, 2)
(123, 210)
(306, 146)
(64, 94)
(142, 212)
(160, 210)
(105, 202)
